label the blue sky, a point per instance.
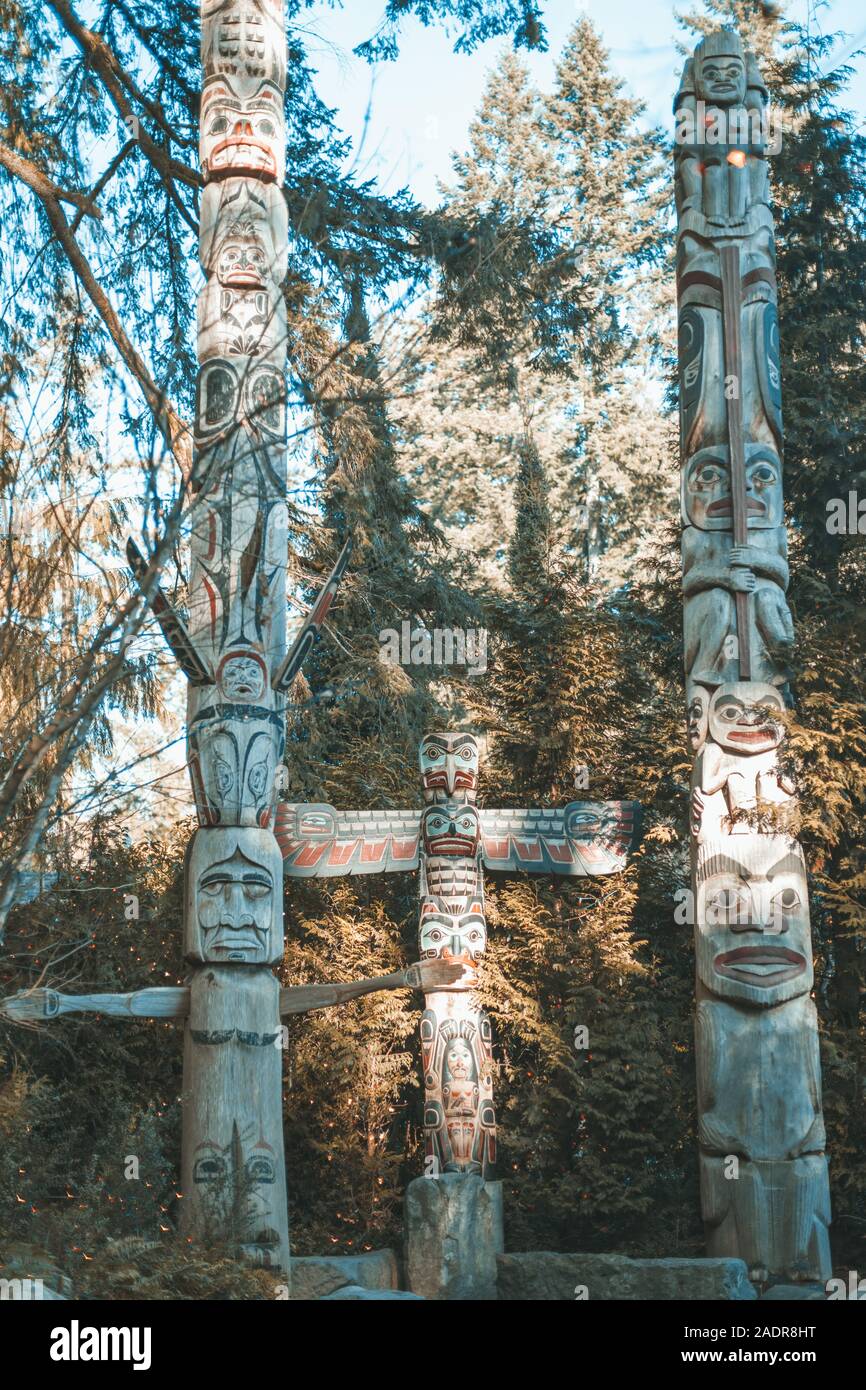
(421, 105)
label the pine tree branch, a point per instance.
(171, 427)
(120, 88)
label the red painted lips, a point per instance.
(761, 966)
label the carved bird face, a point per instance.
(449, 767)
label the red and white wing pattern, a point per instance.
(583, 838)
(318, 841)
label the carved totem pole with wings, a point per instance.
(451, 841)
(233, 651)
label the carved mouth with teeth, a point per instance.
(243, 152)
(451, 845)
(761, 966)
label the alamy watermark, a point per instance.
(438, 646)
(707, 124)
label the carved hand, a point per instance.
(741, 580)
(432, 974)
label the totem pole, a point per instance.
(451, 841)
(233, 650)
(764, 1186)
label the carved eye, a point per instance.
(466, 754)
(764, 475)
(219, 125)
(266, 126)
(475, 935)
(254, 891)
(224, 777)
(435, 934)
(209, 1169)
(727, 905)
(709, 474)
(730, 713)
(467, 823)
(212, 890)
(786, 902)
(260, 1168)
(434, 755)
(257, 779)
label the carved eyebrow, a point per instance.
(789, 865)
(225, 876)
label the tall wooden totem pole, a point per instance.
(764, 1186)
(233, 651)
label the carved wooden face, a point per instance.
(698, 716)
(240, 1172)
(752, 930)
(706, 489)
(451, 830)
(245, 207)
(449, 767)
(459, 1062)
(233, 753)
(242, 134)
(745, 717)
(241, 677)
(461, 940)
(242, 259)
(234, 897)
(721, 79)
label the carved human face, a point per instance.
(234, 897)
(460, 940)
(752, 919)
(722, 79)
(698, 716)
(459, 1062)
(451, 830)
(707, 501)
(746, 717)
(242, 135)
(241, 677)
(242, 262)
(449, 767)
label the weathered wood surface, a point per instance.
(764, 1187)
(233, 1161)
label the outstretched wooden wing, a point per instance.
(318, 841)
(173, 629)
(312, 624)
(583, 838)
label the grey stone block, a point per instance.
(545, 1276)
(453, 1232)
(318, 1276)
